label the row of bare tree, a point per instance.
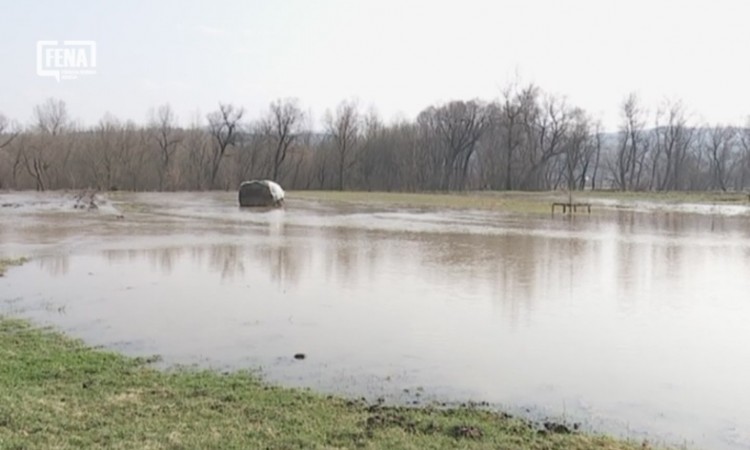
(525, 140)
(674, 154)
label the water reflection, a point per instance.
(57, 265)
(223, 259)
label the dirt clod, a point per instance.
(555, 427)
(466, 432)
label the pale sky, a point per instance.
(398, 56)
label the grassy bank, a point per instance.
(57, 393)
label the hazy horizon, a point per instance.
(393, 57)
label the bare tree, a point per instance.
(452, 132)
(719, 147)
(744, 138)
(7, 135)
(577, 149)
(51, 117)
(301, 161)
(344, 129)
(37, 165)
(632, 145)
(248, 163)
(512, 111)
(135, 157)
(282, 126)
(223, 126)
(51, 120)
(320, 173)
(597, 149)
(117, 156)
(673, 138)
(104, 152)
(378, 164)
(197, 157)
(7, 132)
(163, 123)
(546, 127)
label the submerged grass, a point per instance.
(519, 202)
(514, 201)
(700, 197)
(5, 264)
(57, 393)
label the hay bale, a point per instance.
(264, 193)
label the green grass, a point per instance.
(57, 393)
(5, 264)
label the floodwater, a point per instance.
(633, 320)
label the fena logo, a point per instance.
(66, 61)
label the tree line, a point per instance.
(526, 139)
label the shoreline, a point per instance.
(59, 392)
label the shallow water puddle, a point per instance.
(632, 322)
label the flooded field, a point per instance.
(634, 320)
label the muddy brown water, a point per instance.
(634, 320)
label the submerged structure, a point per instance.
(261, 193)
